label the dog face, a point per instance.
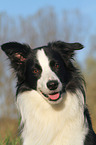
(51, 83)
(46, 69)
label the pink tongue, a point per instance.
(54, 97)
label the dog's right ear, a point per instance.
(17, 53)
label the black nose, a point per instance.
(52, 85)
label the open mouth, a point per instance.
(53, 97)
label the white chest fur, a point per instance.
(61, 124)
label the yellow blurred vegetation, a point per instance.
(8, 127)
(91, 87)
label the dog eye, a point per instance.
(35, 71)
(56, 65)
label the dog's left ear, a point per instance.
(17, 53)
(76, 46)
(66, 49)
(72, 47)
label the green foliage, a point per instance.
(9, 141)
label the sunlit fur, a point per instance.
(52, 125)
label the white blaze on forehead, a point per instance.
(42, 58)
(47, 73)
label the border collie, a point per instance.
(50, 94)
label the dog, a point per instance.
(50, 94)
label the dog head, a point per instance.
(47, 69)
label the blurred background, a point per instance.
(36, 23)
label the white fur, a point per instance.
(47, 74)
(45, 124)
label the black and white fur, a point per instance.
(50, 94)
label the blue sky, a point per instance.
(29, 7)
(26, 7)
